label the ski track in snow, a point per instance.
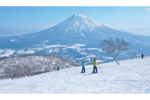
(130, 77)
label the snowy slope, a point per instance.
(131, 76)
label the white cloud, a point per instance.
(106, 25)
(148, 9)
(126, 27)
(47, 26)
(146, 31)
(12, 40)
(46, 41)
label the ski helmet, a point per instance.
(95, 58)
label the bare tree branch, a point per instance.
(114, 45)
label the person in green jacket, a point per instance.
(95, 66)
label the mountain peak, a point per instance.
(79, 15)
(78, 23)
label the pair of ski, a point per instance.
(94, 72)
(97, 72)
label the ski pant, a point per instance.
(83, 70)
(142, 57)
(94, 68)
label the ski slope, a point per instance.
(130, 77)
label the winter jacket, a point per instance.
(82, 64)
(94, 63)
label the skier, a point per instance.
(142, 56)
(83, 68)
(95, 66)
(58, 68)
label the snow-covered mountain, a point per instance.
(80, 28)
(78, 23)
(130, 77)
(76, 29)
(76, 37)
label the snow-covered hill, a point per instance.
(130, 77)
(27, 65)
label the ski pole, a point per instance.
(101, 69)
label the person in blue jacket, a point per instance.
(58, 68)
(83, 67)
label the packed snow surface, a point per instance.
(130, 77)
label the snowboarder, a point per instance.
(83, 68)
(95, 66)
(142, 56)
(58, 68)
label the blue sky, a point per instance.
(44, 17)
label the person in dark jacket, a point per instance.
(142, 56)
(83, 67)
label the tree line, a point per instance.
(28, 65)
